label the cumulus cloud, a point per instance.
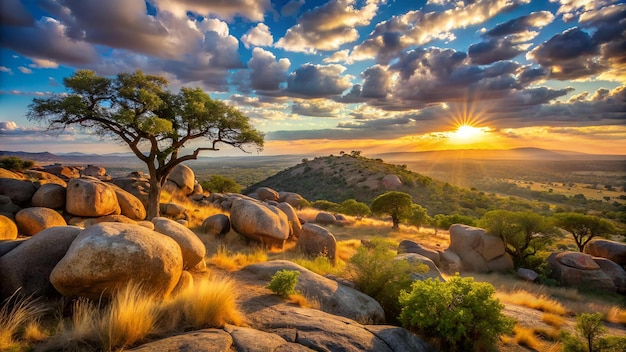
(339, 56)
(43, 63)
(328, 26)
(14, 13)
(317, 108)
(47, 39)
(253, 10)
(317, 81)
(266, 74)
(570, 9)
(258, 36)
(6, 69)
(416, 28)
(7, 125)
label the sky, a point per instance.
(320, 77)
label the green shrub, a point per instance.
(376, 274)
(460, 315)
(589, 329)
(284, 282)
(14, 163)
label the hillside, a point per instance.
(337, 178)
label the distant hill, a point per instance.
(535, 154)
(337, 178)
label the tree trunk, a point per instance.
(396, 222)
(154, 197)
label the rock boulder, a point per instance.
(611, 250)
(90, 197)
(32, 220)
(260, 222)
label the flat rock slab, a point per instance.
(208, 340)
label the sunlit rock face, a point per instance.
(90, 197)
(260, 222)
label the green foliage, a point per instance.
(138, 110)
(398, 205)
(355, 208)
(589, 327)
(326, 205)
(442, 221)
(461, 314)
(221, 184)
(419, 216)
(376, 274)
(14, 163)
(584, 228)
(284, 282)
(523, 232)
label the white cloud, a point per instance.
(253, 10)
(6, 69)
(339, 56)
(25, 70)
(258, 36)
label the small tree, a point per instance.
(523, 232)
(155, 123)
(461, 314)
(221, 184)
(284, 282)
(441, 221)
(584, 227)
(419, 216)
(396, 204)
(355, 208)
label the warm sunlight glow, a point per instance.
(465, 132)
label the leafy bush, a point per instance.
(14, 163)
(376, 274)
(326, 205)
(589, 329)
(221, 184)
(461, 315)
(355, 208)
(284, 282)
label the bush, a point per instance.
(14, 163)
(589, 328)
(284, 282)
(460, 315)
(376, 274)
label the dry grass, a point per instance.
(230, 261)
(134, 315)
(616, 315)
(526, 337)
(18, 314)
(319, 265)
(540, 302)
(303, 301)
(553, 320)
(210, 302)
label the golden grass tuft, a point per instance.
(616, 315)
(551, 334)
(319, 265)
(17, 314)
(210, 302)
(526, 337)
(553, 320)
(303, 301)
(33, 332)
(539, 302)
(131, 316)
(230, 261)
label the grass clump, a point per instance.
(556, 321)
(539, 302)
(459, 315)
(284, 282)
(17, 316)
(378, 275)
(526, 337)
(227, 260)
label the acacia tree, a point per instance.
(355, 208)
(523, 232)
(396, 204)
(154, 122)
(584, 227)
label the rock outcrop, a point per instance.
(316, 241)
(260, 222)
(479, 251)
(612, 250)
(90, 197)
(30, 221)
(579, 269)
(193, 250)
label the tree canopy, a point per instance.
(584, 227)
(523, 232)
(155, 123)
(396, 204)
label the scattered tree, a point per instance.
(156, 124)
(396, 204)
(523, 232)
(14, 163)
(221, 184)
(355, 208)
(419, 216)
(584, 227)
(326, 205)
(441, 221)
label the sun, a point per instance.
(466, 132)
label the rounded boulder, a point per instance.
(50, 195)
(30, 221)
(130, 205)
(266, 193)
(192, 248)
(90, 197)
(611, 250)
(107, 256)
(260, 222)
(216, 225)
(184, 178)
(316, 241)
(8, 229)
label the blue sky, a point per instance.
(323, 76)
